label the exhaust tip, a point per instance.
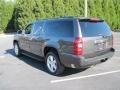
(103, 60)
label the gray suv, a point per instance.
(72, 42)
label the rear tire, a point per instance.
(53, 63)
(17, 50)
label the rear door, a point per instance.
(97, 37)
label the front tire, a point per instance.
(53, 64)
(17, 49)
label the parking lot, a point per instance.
(25, 73)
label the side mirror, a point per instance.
(19, 32)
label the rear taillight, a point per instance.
(78, 46)
(112, 41)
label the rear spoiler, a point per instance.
(91, 20)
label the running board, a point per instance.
(32, 56)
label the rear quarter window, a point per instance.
(91, 29)
(59, 28)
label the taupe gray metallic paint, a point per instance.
(64, 46)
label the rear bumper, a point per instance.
(73, 61)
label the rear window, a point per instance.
(91, 29)
(59, 28)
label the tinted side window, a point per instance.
(38, 28)
(28, 29)
(59, 28)
(91, 29)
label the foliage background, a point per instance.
(15, 15)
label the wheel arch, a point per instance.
(15, 41)
(50, 48)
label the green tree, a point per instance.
(1, 8)
(39, 9)
(74, 7)
(24, 13)
(58, 8)
(99, 8)
(117, 10)
(6, 11)
(48, 8)
(81, 8)
(112, 14)
(92, 8)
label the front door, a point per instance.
(25, 39)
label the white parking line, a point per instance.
(83, 77)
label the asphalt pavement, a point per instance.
(24, 73)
